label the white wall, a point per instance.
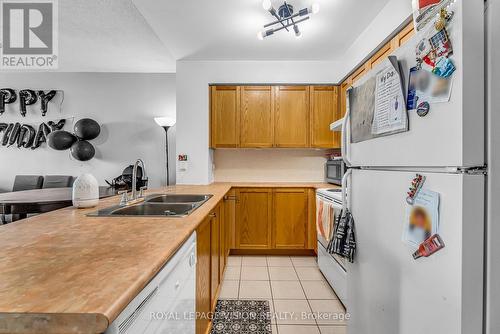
(124, 105)
(193, 78)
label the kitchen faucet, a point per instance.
(134, 197)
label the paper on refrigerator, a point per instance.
(422, 218)
(390, 115)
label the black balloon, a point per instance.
(61, 140)
(87, 129)
(82, 150)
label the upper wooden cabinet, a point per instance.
(225, 116)
(404, 35)
(292, 116)
(253, 218)
(380, 55)
(290, 207)
(343, 96)
(324, 111)
(257, 116)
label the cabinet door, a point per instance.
(380, 55)
(230, 219)
(225, 119)
(404, 35)
(324, 111)
(343, 96)
(292, 116)
(253, 218)
(222, 240)
(290, 218)
(215, 253)
(257, 116)
(358, 74)
(203, 271)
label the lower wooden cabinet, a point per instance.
(290, 221)
(203, 274)
(274, 219)
(253, 218)
(210, 265)
(215, 254)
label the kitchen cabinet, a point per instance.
(230, 218)
(267, 116)
(203, 274)
(324, 111)
(215, 254)
(211, 262)
(223, 241)
(225, 116)
(343, 96)
(312, 234)
(380, 55)
(404, 35)
(290, 223)
(257, 116)
(253, 218)
(292, 116)
(358, 74)
(270, 220)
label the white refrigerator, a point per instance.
(388, 292)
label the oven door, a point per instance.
(337, 208)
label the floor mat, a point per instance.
(242, 317)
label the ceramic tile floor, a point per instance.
(301, 300)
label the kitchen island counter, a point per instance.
(65, 272)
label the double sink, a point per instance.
(157, 205)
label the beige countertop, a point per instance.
(64, 272)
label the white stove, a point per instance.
(333, 267)
(333, 193)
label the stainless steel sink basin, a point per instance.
(146, 209)
(177, 198)
(157, 205)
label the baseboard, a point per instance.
(296, 252)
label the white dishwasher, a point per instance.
(167, 304)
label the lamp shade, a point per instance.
(165, 121)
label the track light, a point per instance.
(298, 34)
(285, 18)
(314, 8)
(267, 5)
(263, 34)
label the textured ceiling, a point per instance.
(150, 35)
(108, 35)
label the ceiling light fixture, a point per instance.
(286, 18)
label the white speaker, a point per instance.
(85, 191)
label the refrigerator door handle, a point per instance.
(345, 198)
(344, 137)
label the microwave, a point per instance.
(335, 170)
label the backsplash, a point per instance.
(269, 165)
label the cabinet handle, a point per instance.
(213, 215)
(230, 198)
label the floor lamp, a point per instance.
(166, 123)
